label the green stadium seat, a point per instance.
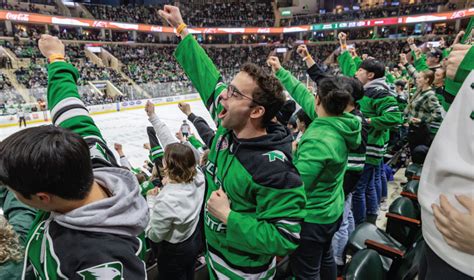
(403, 221)
(413, 171)
(365, 264)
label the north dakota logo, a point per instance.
(106, 271)
(274, 155)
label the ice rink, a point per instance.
(129, 127)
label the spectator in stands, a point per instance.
(109, 195)
(445, 193)
(175, 209)
(241, 240)
(423, 112)
(321, 170)
(381, 110)
(302, 123)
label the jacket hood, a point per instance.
(278, 137)
(380, 82)
(125, 212)
(347, 125)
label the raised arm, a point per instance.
(196, 63)
(204, 130)
(163, 132)
(67, 109)
(345, 60)
(295, 88)
(314, 70)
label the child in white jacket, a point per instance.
(175, 209)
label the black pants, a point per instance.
(433, 267)
(177, 261)
(314, 257)
(22, 119)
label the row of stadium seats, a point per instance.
(393, 253)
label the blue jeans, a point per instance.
(384, 180)
(341, 237)
(380, 182)
(364, 199)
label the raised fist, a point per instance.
(118, 147)
(149, 108)
(49, 45)
(410, 41)
(172, 15)
(185, 108)
(302, 50)
(342, 36)
(274, 62)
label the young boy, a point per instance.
(92, 211)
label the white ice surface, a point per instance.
(129, 128)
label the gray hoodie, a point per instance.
(125, 212)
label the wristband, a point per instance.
(55, 57)
(343, 46)
(307, 57)
(180, 28)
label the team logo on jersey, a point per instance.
(274, 155)
(222, 143)
(106, 271)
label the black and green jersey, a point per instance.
(381, 107)
(94, 241)
(265, 191)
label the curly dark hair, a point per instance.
(269, 91)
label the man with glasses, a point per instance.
(255, 199)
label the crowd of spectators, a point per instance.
(239, 13)
(126, 13)
(32, 6)
(146, 64)
(157, 72)
(8, 94)
(377, 12)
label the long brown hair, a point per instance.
(180, 163)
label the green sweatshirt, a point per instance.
(347, 64)
(266, 193)
(381, 107)
(321, 159)
(322, 155)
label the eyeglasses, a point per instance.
(233, 91)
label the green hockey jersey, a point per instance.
(103, 238)
(265, 191)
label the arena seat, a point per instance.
(404, 221)
(365, 264)
(403, 228)
(413, 171)
(410, 190)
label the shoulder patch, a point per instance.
(105, 271)
(275, 155)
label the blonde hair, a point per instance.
(10, 247)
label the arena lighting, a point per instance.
(24, 17)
